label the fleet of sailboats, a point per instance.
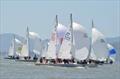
(68, 46)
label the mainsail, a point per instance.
(80, 41)
(12, 47)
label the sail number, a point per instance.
(67, 36)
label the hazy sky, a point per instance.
(39, 15)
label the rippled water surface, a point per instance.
(11, 69)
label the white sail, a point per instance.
(33, 35)
(51, 53)
(44, 49)
(80, 41)
(92, 55)
(17, 41)
(61, 30)
(65, 49)
(18, 47)
(99, 44)
(24, 51)
(12, 47)
(37, 46)
(11, 50)
(18, 53)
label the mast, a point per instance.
(56, 20)
(90, 48)
(71, 30)
(71, 27)
(93, 24)
(27, 35)
(14, 44)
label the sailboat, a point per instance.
(11, 53)
(51, 51)
(111, 54)
(81, 45)
(67, 50)
(76, 37)
(25, 52)
(99, 48)
(91, 58)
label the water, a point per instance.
(11, 69)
